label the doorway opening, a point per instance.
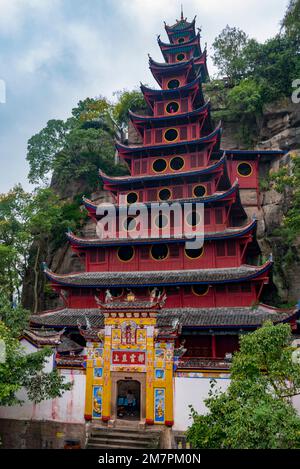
(128, 399)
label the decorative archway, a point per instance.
(121, 383)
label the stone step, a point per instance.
(104, 446)
(112, 442)
(123, 438)
(128, 434)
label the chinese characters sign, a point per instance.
(128, 358)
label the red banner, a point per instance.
(128, 358)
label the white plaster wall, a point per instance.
(296, 403)
(192, 391)
(69, 408)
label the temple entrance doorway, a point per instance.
(128, 405)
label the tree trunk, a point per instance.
(36, 277)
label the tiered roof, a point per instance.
(216, 318)
(228, 233)
(217, 167)
(160, 277)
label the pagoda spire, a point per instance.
(181, 12)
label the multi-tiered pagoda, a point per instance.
(149, 308)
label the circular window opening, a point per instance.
(194, 253)
(129, 224)
(132, 198)
(116, 292)
(172, 107)
(159, 165)
(193, 219)
(199, 191)
(171, 135)
(159, 252)
(177, 163)
(161, 221)
(181, 40)
(172, 84)
(164, 194)
(180, 57)
(125, 253)
(244, 169)
(200, 290)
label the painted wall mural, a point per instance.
(159, 405)
(97, 402)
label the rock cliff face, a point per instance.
(279, 129)
(281, 126)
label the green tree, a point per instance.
(43, 147)
(291, 20)
(127, 100)
(287, 180)
(85, 142)
(228, 53)
(245, 103)
(15, 240)
(255, 412)
(20, 370)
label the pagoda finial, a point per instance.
(181, 12)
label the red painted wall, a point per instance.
(215, 255)
(177, 297)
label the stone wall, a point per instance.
(33, 434)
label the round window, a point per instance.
(161, 221)
(116, 292)
(244, 169)
(181, 40)
(159, 165)
(125, 253)
(164, 194)
(193, 219)
(129, 224)
(132, 198)
(177, 163)
(200, 290)
(159, 251)
(194, 253)
(171, 135)
(199, 191)
(180, 57)
(172, 84)
(172, 107)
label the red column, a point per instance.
(213, 346)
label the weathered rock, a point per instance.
(280, 127)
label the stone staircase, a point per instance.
(122, 437)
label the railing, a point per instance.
(204, 362)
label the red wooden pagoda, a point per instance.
(206, 297)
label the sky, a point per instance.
(55, 52)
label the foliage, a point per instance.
(255, 412)
(273, 65)
(20, 370)
(85, 151)
(78, 147)
(15, 240)
(127, 100)
(14, 316)
(228, 55)
(28, 220)
(291, 20)
(287, 180)
(245, 104)
(260, 72)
